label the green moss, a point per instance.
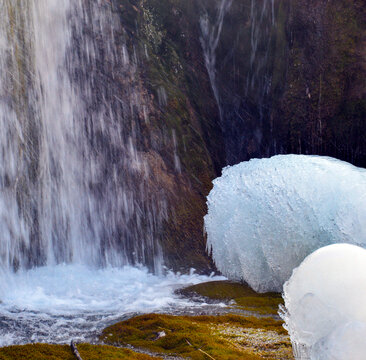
(37, 351)
(98, 352)
(63, 352)
(166, 43)
(244, 297)
(203, 337)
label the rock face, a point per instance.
(322, 109)
(112, 165)
(292, 79)
(287, 77)
(181, 140)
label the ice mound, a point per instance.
(325, 301)
(266, 215)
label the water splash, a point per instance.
(64, 302)
(73, 183)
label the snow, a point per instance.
(266, 215)
(325, 304)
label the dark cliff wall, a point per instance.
(291, 79)
(323, 107)
(180, 135)
(295, 85)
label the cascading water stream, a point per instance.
(72, 182)
(210, 38)
(257, 78)
(75, 207)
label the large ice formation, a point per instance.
(266, 215)
(325, 301)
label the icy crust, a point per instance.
(266, 215)
(325, 304)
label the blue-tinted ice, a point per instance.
(266, 215)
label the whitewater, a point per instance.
(64, 302)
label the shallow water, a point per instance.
(64, 302)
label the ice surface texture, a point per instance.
(325, 302)
(266, 215)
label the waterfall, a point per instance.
(78, 206)
(237, 107)
(259, 78)
(73, 183)
(210, 37)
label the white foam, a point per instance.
(56, 304)
(266, 215)
(325, 301)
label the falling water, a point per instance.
(76, 210)
(73, 185)
(210, 38)
(259, 78)
(261, 20)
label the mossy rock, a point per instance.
(63, 352)
(244, 297)
(98, 352)
(223, 337)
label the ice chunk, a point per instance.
(266, 215)
(325, 301)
